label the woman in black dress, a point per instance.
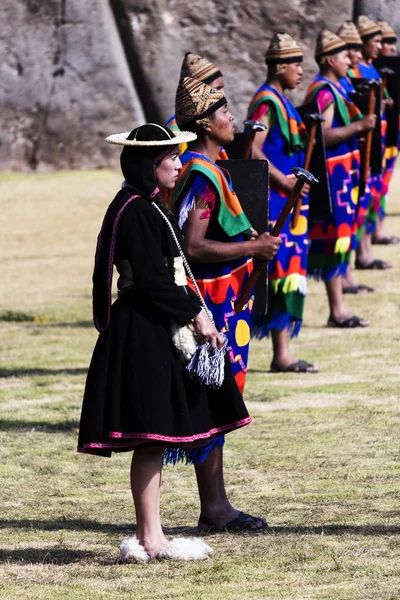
(138, 394)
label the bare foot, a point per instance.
(154, 546)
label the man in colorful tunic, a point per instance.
(389, 41)
(282, 145)
(360, 243)
(220, 244)
(371, 36)
(331, 237)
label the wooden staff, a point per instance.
(369, 134)
(315, 118)
(303, 177)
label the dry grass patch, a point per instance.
(320, 459)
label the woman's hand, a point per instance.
(206, 332)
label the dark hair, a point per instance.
(138, 162)
(192, 126)
(196, 127)
(368, 36)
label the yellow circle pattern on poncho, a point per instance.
(242, 333)
(354, 194)
(301, 226)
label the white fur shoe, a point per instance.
(130, 549)
(186, 549)
(177, 549)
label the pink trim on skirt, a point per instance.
(143, 437)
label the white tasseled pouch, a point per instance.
(205, 367)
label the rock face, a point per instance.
(64, 84)
(233, 34)
(73, 71)
(383, 9)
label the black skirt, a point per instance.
(138, 391)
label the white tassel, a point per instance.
(186, 549)
(208, 368)
(130, 549)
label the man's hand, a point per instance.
(388, 103)
(254, 234)
(291, 182)
(266, 246)
(367, 123)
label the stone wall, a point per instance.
(231, 33)
(72, 71)
(389, 10)
(64, 83)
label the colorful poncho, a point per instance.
(220, 282)
(378, 189)
(289, 121)
(283, 145)
(231, 217)
(331, 237)
(389, 163)
(172, 124)
(390, 154)
(364, 200)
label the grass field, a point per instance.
(320, 460)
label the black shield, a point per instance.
(250, 180)
(320, 194)
(391, 81)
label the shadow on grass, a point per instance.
(7, 425)
(73, 324)
(37, 372)
(84, 525)
(10, 316)
(130, 528)
(362, 530)
(50, 556)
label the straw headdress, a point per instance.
(196, 100)
(283, 50)
(367, 28)
(348, 32)
(162, 137)
(199, 68)
(328, 43)
(388, 33)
